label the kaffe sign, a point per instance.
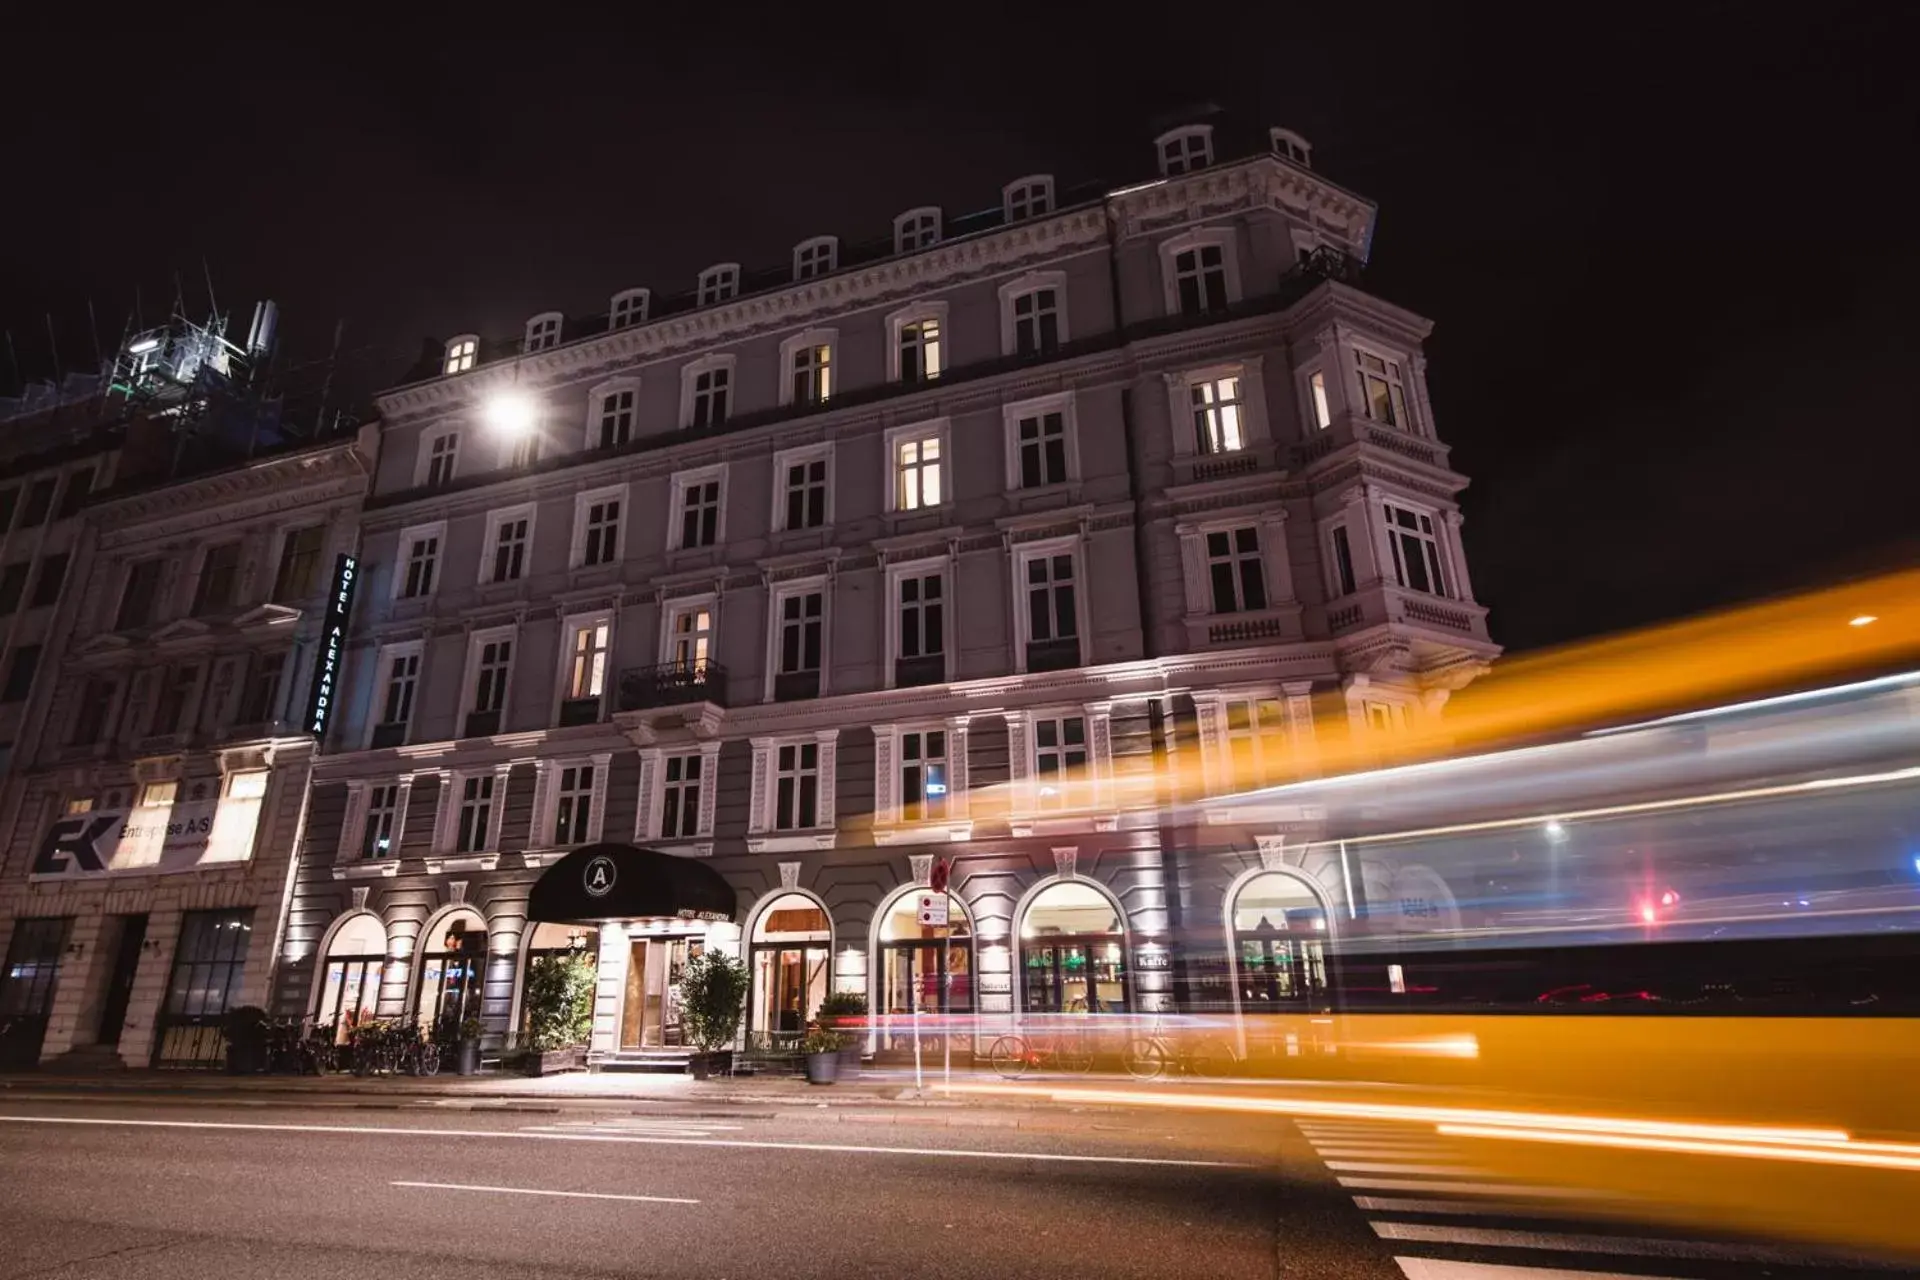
(333, 646)
(157, 838)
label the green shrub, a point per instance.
(559, 1001)
(713, 991)
(843, 1004)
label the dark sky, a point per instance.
(1671, 256)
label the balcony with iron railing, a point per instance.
(928, 668)
(671, 684)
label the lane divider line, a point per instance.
(537, 1191)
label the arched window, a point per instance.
(350, 987)
(924, 966)
(452, 971)
(790, 957)
(1279, 944)
(1073, 951)
(549, 941)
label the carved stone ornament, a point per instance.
(1064, 858)
(789, 875)
(922, 866)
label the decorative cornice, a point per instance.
(1261, 182)
(307, 479)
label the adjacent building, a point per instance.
(736, 609)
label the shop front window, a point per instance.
(791, 964)
(554, 942)
(1279, 945)
(350, 988)
(923, 968)
(1073, 949)
(451, 975)
(207, 971)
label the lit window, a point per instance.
(442, 452)
(690, 637)
(1217, 411)
(79, 805)
(1028, 198)
(709, 396)
(1416, 550)
(423, 554)
(680, 797)
(1200, 279)
(616, 417)
(159, 795)
(920, 358)
(461, 354)
(1059, 759)
(602, 539)
(812, 374)
(923, 775)
(806, 493)
(476, 814)
(916, 229)
(1322, 411)
(509, 548)
(718, 283)
(251, 785)
(796, 786)
(491, 674)
(573, 805)
(1184, 150)
(1042, 443)
(587, 672)
(1381, 396)
(378, 839)
(699, 513)
(815, 257)
(543, 331)
(917, 472)
(1234, 569)
(1036, 321)
(628, 309)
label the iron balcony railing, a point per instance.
(673, 683)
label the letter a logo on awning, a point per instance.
(599, 877)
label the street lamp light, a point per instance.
(511, 413)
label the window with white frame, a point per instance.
(1040, 445)
(492, 670)
(380, 832)
(1384, 717)
(543, 331)
(918, 470)
(599, 517)
(920, 602)
(681, 779)
(508, 533)
(523, 450)
(800, 643)
(1200, 278)
(923, 775)
(796, 786)
(718, 283)
(573, 804)
(1317, 396)
(706, 390)
(919, 343)
(803, 484)
(615, 415)
(809, 371)
(815, 257)
(1028, 197)
(696, 508)
(1416, 550)
(401, 680)
(589, 647)
(473, 831)
(916, 229)
(1382, 392)
(1059, 761)
(1291, 146)
(1342, 552)
(1235, 571)
(689, 635)
(1218, 413)
(462, 352)
(443, 452)
(1036, 320)
(1255, 746)
(628, 308)
(1051, 614)
(419, 561)
(1184, 150)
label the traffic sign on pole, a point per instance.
(933, 910)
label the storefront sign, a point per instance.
(996, 983)
(333, 645)
(1158, 958)
(157, 838)
(599, 877)
(710, 916)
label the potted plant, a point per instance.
(713, 992)
(559, 1005)
(846, 1013)
(246, 1029)
(466, 1060)
(821, 1048)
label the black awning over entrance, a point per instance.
(619, 882)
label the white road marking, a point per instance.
(1397, 1166)
(1459, 1208)
(1462, 1188)
(844, 1148)
(536, 1191)
(1386, 1153)
(1567, 1242)
(1435, 1269)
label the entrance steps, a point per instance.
(677, 1060)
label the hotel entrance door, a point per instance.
(650, 1013)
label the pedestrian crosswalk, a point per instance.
(1447, 1218)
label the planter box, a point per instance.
(823, 1068)
(554, 1061)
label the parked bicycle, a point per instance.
(1157, 1054)
(1014, 1055)
(388, 1048)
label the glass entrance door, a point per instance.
(650, 1012)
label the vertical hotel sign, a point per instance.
(333, 647)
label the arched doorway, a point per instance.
(790, 959)
(1278, 925)
(921, 967)
(546, 940)
(453, 971)
(1073, 951)
(350, 981)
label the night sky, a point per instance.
(1671, 260)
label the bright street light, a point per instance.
(512, 413)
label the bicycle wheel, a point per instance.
(429, 1060)
(1146, 1059)
(1075, 1055)
(1009, 1057)
(1212, 1060)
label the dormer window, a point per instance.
(815, 257)
(1029, 197)
(628, 308)
(718, 283)
(1289, 145)
(462, 352)
(916, 229)
(543, 331)
(1184, 150)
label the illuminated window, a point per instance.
(680, 796)
(543, 331)
(690, 636)
(78, 805)
(251, 785)
(573, 805)
(917, 463)
(796, 804)
(461, 354)
(1416, 550)
(616, 417)
(1036, 321)
(812, 370)
(923, 775)
(1029, 197)
(815, 257)
(629, 307)
(916, 229)
(587, 665)
(718, 283)
(919, 349)
(1059, 759)
(443, 452)
(1317, 390)
(1235, 570)
(1184, 150)
(1217, 411)
(158, 795)
(1382, 397)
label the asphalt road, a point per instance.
(156, 1190)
